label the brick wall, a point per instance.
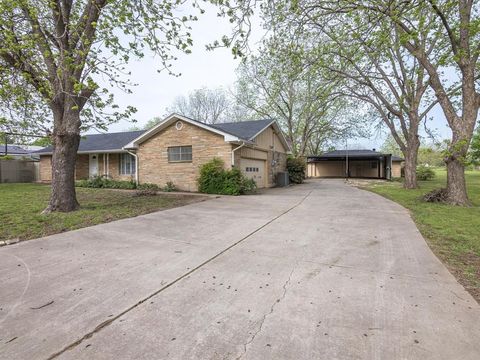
(396, 169)
(46, 168)
(81, 167)
(153, 157)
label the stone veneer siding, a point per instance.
(46, 168)
(153, 156)
(396, 169)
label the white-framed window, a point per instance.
(180, 154)
(127, 164)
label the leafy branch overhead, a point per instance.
(59, 52)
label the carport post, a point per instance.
(346, 160)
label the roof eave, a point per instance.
(170, 119)
(84, 152)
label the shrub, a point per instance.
(425, 173)
(296, 168)
(169, 187)
(214, 179)
(100, 182)
(148, 186)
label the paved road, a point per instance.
(317, 271)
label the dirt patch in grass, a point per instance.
(21, 206)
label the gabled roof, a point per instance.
(340, 154)
(101, 142)
(244, 129)
(238, 132)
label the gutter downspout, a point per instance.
(136, 164)
(233, 152)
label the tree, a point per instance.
(444, 37)
(276, 84)
(375, 67)
(53, 53)
(208, 105)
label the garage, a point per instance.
(254, 169)
(368, 164)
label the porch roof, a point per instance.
(100, 143)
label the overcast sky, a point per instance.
(156, 91)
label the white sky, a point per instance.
(156, 91)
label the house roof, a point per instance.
(244, 131)
(13, 150)
(101, 142)
(341, 154)
(233, 132)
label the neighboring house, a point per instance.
(175, 149)
(19, 151)
(360, 164)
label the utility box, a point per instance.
(282, 179)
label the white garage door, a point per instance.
(254, 169)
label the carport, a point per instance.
(368, 164)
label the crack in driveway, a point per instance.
(264, 317)
(108, 322)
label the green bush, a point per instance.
(100, 182)
(214, 179)
(296, 168)
(425, 173)
(169, 187)
(148, 186)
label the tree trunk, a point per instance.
(411, 155)
(66, 140)
(456, 186)
(410, 169)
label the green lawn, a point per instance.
(452, 232)
(21, 206)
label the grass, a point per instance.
(452, 232)
(21, 206)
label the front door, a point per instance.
(93, 165)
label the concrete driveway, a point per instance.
(317, 271)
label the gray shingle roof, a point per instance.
(243, 129)
(13, 150)
(354, 154)
(102, 142)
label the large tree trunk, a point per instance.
(411, 167)
(456, 186)
(411, 152)
(66, 138)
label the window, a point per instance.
(127, 164)
(179, 153)
(374, 164)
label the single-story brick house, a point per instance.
(174, 150)
(355, 163)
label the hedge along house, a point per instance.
(174, 150)
(355, 164)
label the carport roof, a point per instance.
(341, 154)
